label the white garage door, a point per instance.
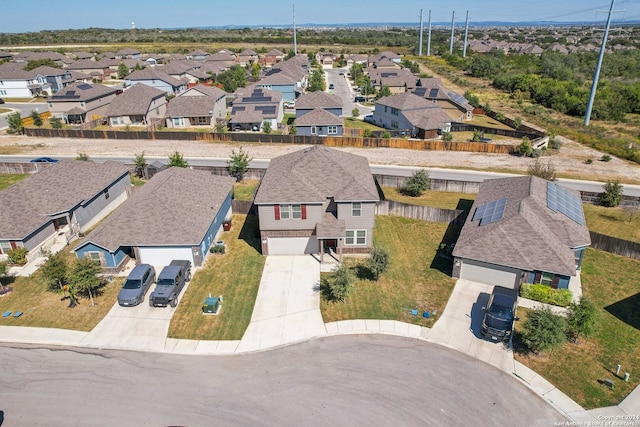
(490, 274)
(161, 256)
(292, 245)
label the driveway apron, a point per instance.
(287, 307)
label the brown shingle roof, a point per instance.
(318, 117)
(134, 101)
(58, 188)
(190, 106)
(318, 99)
(313, 174)
(81, 91)
(405, 101)
(176, 207)
(153, 74)
(530, 236)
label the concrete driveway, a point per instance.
(287, 307)
(460, 323)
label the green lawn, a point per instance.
(353, 123)
(235, 275)
(616, 222)
(244, 190)
(436, 199)
(9, 180)
(417, 278)
(613, 283)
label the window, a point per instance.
(394, 124)
(94, 256)
(5, 246)
(285, 211)
(546, 279)
(395, 111)
(296, 211)
(355, 237)
(356, 209)
(291, 212)
(313, 130)
(332, 130)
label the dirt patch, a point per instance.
(569, 160)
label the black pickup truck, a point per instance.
(499, 314)
(170, 282)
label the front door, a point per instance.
(59, 223)
(330, 245)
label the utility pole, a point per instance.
(596, 76)
(420, 39)
(466, 32)
(453, 18)
(429, 36)
(295, 44)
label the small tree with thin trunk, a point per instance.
(176, 160)
(238, 163)
(54, 272)
(140, 163)
(355, 112)
(582, 319)
(612, 195)
(378, 261)
(83, 277)
(339, 284)
(266, 127)
(37, 120)
(14, 121)
(417, 184)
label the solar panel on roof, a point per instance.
(420, 91)
(236, 109)
(267, 109)
(490, 212)
(84, 86)
(433, 93)
(457, 98)
(559, 199)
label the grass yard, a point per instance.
(616, 222)
(9, 180)
(353, 123)
(416, 278)
(613, 283)
(45, 310)
(436, 199)
(235, 275)
(244, 190)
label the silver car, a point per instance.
(137, 284)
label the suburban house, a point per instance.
(255, 106)
(272, 57)
(56, 77)
(198, 55)
(288, 77)
(522, 230)
(326, 59)
(81, 102)
(199, 106)
(100, 70)
(396, 78)
(18, 83)
(26, 56)
(157, 79)
(452, 103)
(178, 214)
(128, 53)
(411, 114)
(247, 57)
(66, 197)
(138, 105)
(319, 122)
(318, 99)
(317, 200)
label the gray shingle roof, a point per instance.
(315, 173)
(134, 101)
(190, 106)
(81, 91)
(176, 207)
(152, 74)
(318, 99)
(212, 91)
(530, 236)
(318, 117)
(428, 118)
(58, 188)
(405, 101)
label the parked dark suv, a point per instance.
(499, 315)
(137, 284)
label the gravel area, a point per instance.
(569, 161)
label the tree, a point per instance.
(541, 170)
(54, 273)
(378, 261)
(35, 63)
(340, 283)
(83, 156)
(238, 164)
(4, 267)
(123, 70)
(84, 277)
(612, 195)
(525, 148)
(355, 112)
(316, 81)
(176, 160)
(417, 184)
(15, 123)
(220, 127)
(447, 136)
(37, 120)
(140, 163)
(384, 91)
(543, 330)
(266, 127)
(55, 122)
(582, 319)
(477, 134)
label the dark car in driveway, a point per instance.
(136, 285)
(44, 160)
(1, 101)
(499, 314)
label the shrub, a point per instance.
(18, 255)
(37, 120)
(546, 294)
(338, 285)
(612, 195)
(525, 148)
(605, 158)
(417, 184)
(55, 122)
(217, 249)
(82, 156)
(543, 330)
(386, 134)
(541, 170)
(447, 136)
(582, 319)
(378, 261)
(367, 133)
(588, 161)
(555, 143)
(476, 135)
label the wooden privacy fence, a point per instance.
(615, 245)
(242, 206)
(425, 213)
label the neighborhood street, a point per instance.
(351, 380)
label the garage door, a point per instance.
(490, 274)
(161, 256)
(292, 245)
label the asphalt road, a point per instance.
(373, 380)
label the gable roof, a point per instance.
(134, 101)
(79, 91)
(405, 101)
(428, 118)
(190, 106)
(318, 117)
(58, 188)
(154, 74)
(318, 99)
(212, 91)
(530, 235)
(176, 207)
(314, 174)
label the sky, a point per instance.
(37, 15)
